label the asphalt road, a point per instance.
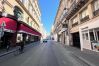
(44, 54)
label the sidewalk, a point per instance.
(11, 50)
(87, 56)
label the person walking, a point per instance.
(21, 47)
(8, 45)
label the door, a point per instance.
(86, 40)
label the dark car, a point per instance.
(44, 41)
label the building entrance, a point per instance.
(76, 40)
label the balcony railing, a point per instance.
(72, 6)
(85, 18)
(75, 7)
(75, 24)
(96, 12)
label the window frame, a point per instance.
(96, 5)
(84, 13)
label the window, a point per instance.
(64, 26)
(91, 36)
(18, 13)
(96, 5)
(85, 36)
(30, 9)
(84, 13)
(31, 23)
(29, 6)
(23, 1)
(98, 35)
(75, 20)
(27, 19)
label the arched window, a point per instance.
(18, 13)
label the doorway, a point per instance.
(76, 39)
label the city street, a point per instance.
(49, 33)
(44, 54)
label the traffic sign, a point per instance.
(2, 29)
(3, 24)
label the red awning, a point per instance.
(27, 30)
(11, 24)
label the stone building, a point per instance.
(22, 20)
(82, 21)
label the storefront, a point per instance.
(27, 34)
(74, 37)
(8, 28)
(89, 35)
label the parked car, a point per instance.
(45, 40)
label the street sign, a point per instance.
(2, 29)
(3, 24)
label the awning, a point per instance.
(25, 29)
(10, 24)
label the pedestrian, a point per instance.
(21, 47)
(8, 42)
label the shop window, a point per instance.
(19, 38)
(92, 36)
(98, 35)
(85, 36)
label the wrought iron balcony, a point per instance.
(96, 12)
(84, 19)
(64, 14)
(75, 7)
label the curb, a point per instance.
(9, 52)
(6, 53)
(84, 60)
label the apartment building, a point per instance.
(60, 24)
(83, 22)
(21, 20)
(81, 19)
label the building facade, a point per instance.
(21, 20)
(60, 26)
(82, 17)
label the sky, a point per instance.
(48, 10)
